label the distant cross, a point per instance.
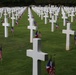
(16, 15)
(32, 28)
(42, 14)
(5, 24)
(37, 56)
(5, 13)
(45, 16)
(50, 13)
(68, 32)
(9, 12)
(56, 14)
(52, 23)
(64, 17)
(72, 15)
(13, 17)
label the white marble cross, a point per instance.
(5, 24)
(32, 28)
(72, 15)
(50, 13)
(56, 14)
(68, 32)
(9, 12)
(42, 14)
(13, 17)
(37, 56)
(64, 17)
(5, 13)
(46, 16)
(16, 15)
(52, 23)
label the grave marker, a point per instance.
(64, 17)
(5, 24)
(72, 15)
(68, 32)
(45, 16)
(13, 17)
(32, 28)
(37, 56)
(52, 23)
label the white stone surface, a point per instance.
(68, 32)
(64, 17)
(13, 18)
(45, 16)
(5, 24)
(72, 15)
(31, 26)
(37, 56)
(52, 23)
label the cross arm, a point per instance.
(43, 56)
(31, 27)
(29, 53)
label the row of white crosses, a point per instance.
(39, 11)
(64, 17)
(31, 26)
(5, 11)
(68, 32)
(37, 55)
(17, 15)
(70, 11)
(57, 11)
(5, 24)
(53, 14)
(52, 10)
(44, 11)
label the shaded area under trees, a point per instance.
(36, 2)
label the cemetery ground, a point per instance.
(15, 61)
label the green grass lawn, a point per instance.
(15, 61)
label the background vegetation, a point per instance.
(37, 2)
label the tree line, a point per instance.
(37, 2)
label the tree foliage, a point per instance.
(37, 2)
